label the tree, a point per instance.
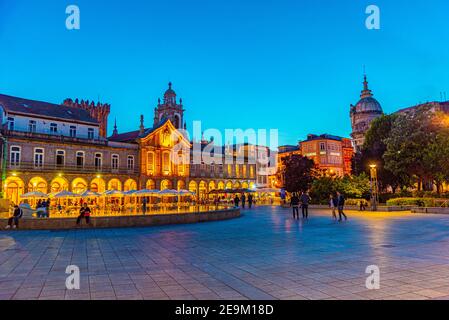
(298, 173)
(373, 151)
(417, 147)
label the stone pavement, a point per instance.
(262, 255)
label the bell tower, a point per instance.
(170, 109)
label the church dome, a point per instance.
(368, 104)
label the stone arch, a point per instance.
(38, 184)
(193, 187)
(166, 184)
(79, 185)
(252, 185)
(115, 184)
(181, 185)
(14, 188)
(245, 185)
(59, 184)
(98, 185)
(236, 185)
(150, 185)
(220, 185)
(130, 184)
(229, 185)
(212, 185)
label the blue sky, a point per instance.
(290, 65)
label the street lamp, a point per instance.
(374, 187)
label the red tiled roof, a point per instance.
(26, 107)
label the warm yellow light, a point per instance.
(98, 176)
(372, 166)
(14, 174)
(60, 175)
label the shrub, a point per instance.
(419, 202)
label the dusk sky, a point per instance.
(290, 65)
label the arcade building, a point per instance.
(54, 147)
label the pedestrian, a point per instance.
(305, 200)
(144, 205)
(40, 209)
(333, 205)
(17, 214)
(362, 205)
(243, 201)
(84, 213)
(47, 208)
(294, 203)
(341, 205)
(236, 201)
(250, 200)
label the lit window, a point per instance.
(166, 163)
(150, 163)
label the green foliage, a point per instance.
(298, 173)
(357, 187)
(419, 202)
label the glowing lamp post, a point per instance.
(374, 188)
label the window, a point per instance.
(80, 159)
(115, 162)
(237, 172)
(53, 128)
(98, 161)
(73, 131)
(38, 158)
(15, 156)
(90, 133)
(150, 163)
(166, 163)
(11, 123)
(130, 162)
(244, 171)
(251, 171)
(322, 146)
(60, 158)
(32, 126)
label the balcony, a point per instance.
(30, 166)
(53, 137)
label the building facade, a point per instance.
(332, 154)
(50, 148)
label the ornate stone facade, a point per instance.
(362, 114)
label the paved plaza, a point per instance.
(262, 255)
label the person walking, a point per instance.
(333, 205)
(294, 203)
(17, 215)
(341, 205)
(84, 213)
(243, 201)
(305, 200)
(236, 201)
(250, 200)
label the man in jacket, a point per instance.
(341, 205)
(17, 214)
